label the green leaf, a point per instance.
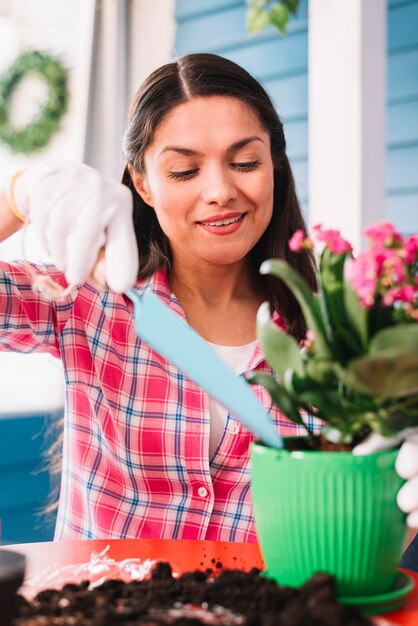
(297, 385)
(278, 16)
(389, 374)
(320, 370)
(281, 350)
(327, 409)
(331, 269)
(257, 19)
(345, 343)
(280, 396)
(347, 419)
(330, 300)
(292, 5)
(307, 300)
(403, 336)
(380, 316)
(398, 416)
(357, 315)
(256, 4)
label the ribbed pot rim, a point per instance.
(345, 457)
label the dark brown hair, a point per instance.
(205, 75)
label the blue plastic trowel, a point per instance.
(177, 342)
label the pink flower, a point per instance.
(332, 239)
(399, 294)
(309, 340)
(383, 234)
(393, 268)
(411, 249)
(299, 240)
(387, 263)
(362, 273)
(296, 241)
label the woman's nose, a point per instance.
(218, 187)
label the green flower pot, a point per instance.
(329, 512)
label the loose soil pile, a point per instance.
(220, 598)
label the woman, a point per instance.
(146, 453)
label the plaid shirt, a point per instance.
(136, 434)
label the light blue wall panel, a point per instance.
(222, 24)
(402, 26)
(222, 30)
(402, 169)
(300, 172)
(186, 9)
(290, 96)
(402, 209)
(402, 123)
(273, 57)
(297, 138)
(402, 115)
(398, 3)
(403, 76)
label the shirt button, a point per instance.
(234, 430)
(203, 492)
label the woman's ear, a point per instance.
(141, 185)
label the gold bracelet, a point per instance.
(11, 197)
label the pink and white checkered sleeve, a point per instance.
(29, 322)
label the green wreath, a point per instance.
(39, 131)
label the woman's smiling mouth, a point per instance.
(223, 224)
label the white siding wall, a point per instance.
(65, 29)
(34, 382)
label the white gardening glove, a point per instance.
(75, 212)
(406, 466)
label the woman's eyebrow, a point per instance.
(233, 148)
(179, 150)
(244, 142)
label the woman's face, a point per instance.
(209, 177)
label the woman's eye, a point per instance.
(184, 175)
(248, 166)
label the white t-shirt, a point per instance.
(238, 358)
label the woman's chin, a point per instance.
(225, 259)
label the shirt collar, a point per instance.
(159, 285)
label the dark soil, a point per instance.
(215, 597)
(319, 443)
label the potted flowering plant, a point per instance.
(357, 371)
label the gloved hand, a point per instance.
(75, 212)
(406, 466)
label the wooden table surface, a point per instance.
(183, 555)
